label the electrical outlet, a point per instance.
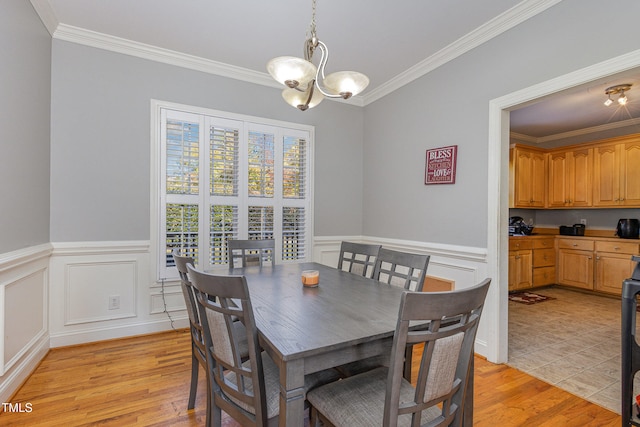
(114, 302)
(583, 222)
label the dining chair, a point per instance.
(251, 252)
(358, 258)
(384, 396)
(198, 355)
(402, 269)
(247, 390)
(195, 326)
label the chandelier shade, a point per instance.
(346, 83)
(291, 71)
(306, 84)
(303, 100)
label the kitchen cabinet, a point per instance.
(544, 262)
(616, 174)
(532, 261)
(569, 183)
(520, 264)
(527, 175)
(575, 262)
(613, 264)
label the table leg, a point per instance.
(292, 394)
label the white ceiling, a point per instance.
(393, 42)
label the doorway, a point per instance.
(498, 160)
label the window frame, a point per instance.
(249, 123)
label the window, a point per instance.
(223, 176)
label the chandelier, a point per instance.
(614, 90)
(306, 84)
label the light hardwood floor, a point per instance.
(144, 381)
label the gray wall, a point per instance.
(25, 79)
(100, 142)
(450, 106)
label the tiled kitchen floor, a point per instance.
(572, 342)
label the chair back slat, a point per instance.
(402, 269)
(251, 252)
(358, 258)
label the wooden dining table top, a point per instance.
(344, 310)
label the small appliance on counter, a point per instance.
(572, 230)
(517, 227)
(628, 228)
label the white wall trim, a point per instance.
(24, 327)
(62, 339)
(19, 257)
(496, 26)
(498, 206)
(45, 11)
(100, 248)
(22, 371)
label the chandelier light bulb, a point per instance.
(608, 101)
(622, 100)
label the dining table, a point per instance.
(346, 318)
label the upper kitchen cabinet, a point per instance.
(617, 173)
(570, 173)
(527, 176)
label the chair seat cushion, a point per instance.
(358, 401)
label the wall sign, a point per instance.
(440, 167)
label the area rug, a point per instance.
(528, 297)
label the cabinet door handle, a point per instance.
(575, 244)
(617, 248)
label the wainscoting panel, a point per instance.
(90, 288)
(24, 327)
(85, 279)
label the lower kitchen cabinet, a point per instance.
(614, 265)
(520, 270)
(575, 263)
(598, 264)
(544, 261)
(532, 262)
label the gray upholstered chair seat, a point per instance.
(335, 401)
(272, 384)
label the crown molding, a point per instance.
(493, 28)
(141, 50)
(578, 132)
(47, 15)
(501, 23)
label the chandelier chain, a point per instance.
(312, 26)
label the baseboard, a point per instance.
(20, 372)
(115, 332)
